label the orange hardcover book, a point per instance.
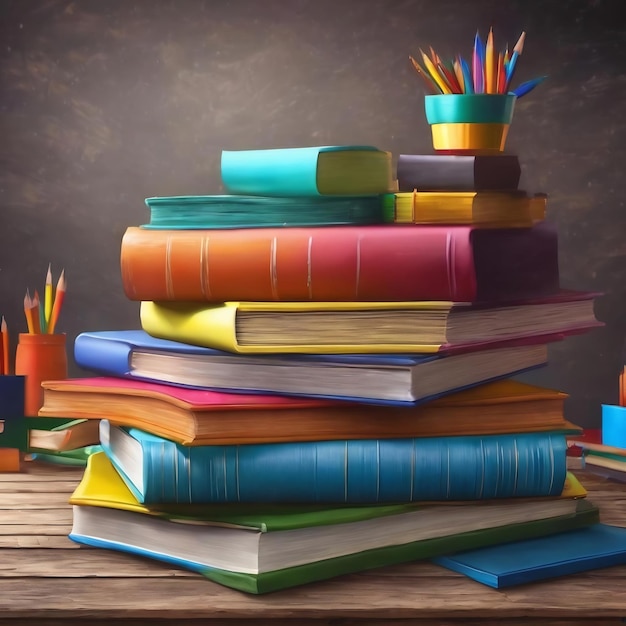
(198, 417)
(390, 262)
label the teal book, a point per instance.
(594, 547)
(308, 171)
(267, 548)
(373, 471)
(232, 211)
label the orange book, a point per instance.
(201, 417)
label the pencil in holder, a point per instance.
(39, 357)
(469, 123)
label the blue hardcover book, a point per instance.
(374, 471)
(375, 379)
(230, 211)
(307, 171)
(526, 561)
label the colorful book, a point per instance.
(258, 550)
(366, 327)
(307, 171)
(382, 379)
(337, 263)
(516, 563)
(375, 471)
(485, 209)
(445, 172)
(228, 211)
(201, 417)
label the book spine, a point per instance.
(340, 263)
(102, 355)
(359, 471)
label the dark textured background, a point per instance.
(106, 102)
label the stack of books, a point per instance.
(310, 396)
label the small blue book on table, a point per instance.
(521, 562)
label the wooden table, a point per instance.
(47, 579)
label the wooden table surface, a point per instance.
(47, 579)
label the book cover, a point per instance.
(568, 552)
(428, 327)
(336, 263)
(307, 171)
(330, 541)
(204, 417)
(445, 172)
(382, 379)
(228, 211)
(353, 471)
(486, 209)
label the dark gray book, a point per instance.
(444, 172)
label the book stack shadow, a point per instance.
(322, 380)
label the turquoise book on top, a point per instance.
(233, 211)
(309, 171)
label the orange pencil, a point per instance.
(58, 303)
(4, 334)
(622, 387)
(28, 312)
(432, 86)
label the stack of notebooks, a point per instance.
(322, 381)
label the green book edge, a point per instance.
(586, 515)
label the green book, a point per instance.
(231, 211)
(262, 549)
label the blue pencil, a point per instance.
(529, 85)
(467, 75)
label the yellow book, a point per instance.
(488, 209)
(364, 327)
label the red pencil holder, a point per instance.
(39, 357)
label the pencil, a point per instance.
(36, 309)
(490, 72)
(467, 76)
(622, 387)
(47, 295)
(477, 65)
(434, 74)
(517, 50)
(449, 76)
(500, 75)
(528, 86)
(430, 83)
(28, 312)
(4, 333)
(58, 303)
(458, 72)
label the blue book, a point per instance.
(378, 471)
(229, 211)
(526, 561)
(375, 379)
(307, 171)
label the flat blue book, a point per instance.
(382, 471)
(375, 379)
(526, 561)
(232, 211)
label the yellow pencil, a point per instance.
(432, 70)
(456, 64)
(47, 295)
(58, 303)
(490, 71)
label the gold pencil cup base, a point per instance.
(469, 138)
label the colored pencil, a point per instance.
(58, 303)
(490, 70)
(434, 74)
(528, 86)
(467, 76)
(432, 86)
(28, 312)
(517, 50)
(47, 295)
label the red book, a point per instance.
(341, 263)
